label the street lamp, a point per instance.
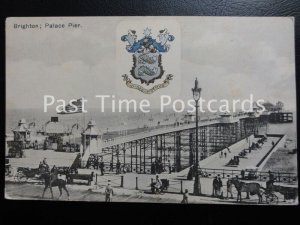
(196, 95)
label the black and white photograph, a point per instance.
(151, 109)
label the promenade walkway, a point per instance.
(249, 161)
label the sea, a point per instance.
(108, 121)
(105, 121)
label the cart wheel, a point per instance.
(7, 171)
(265, 198)
(268, 199)
(274, 199)
(21, 177)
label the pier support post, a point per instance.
(136, 183)
(136, 156)
(144, 155)
(181, 186)
(122, 181)
(130, 156)
(151, 146)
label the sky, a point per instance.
(231, 57)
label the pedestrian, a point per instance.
(228, 149)
(101, 166)
(40, 165)
(169, 165)
(160, 165)
(185, 197)
(190, 174)
(111, 167)
(108, 192)
(215, 186)
(158, 183)
(220, 187)
(152, 168)
(243, 174)
(269, 183)
(156, 166)
(271, 175)
(221, 154)
(118, 167)
(225, 154)
(229, 188)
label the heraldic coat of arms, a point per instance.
(147, 59)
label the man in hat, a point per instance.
(101, 166)
(45, 165)
(111, 166)
(108, 192)
(220, 187)
(215, 186)
(170, 167)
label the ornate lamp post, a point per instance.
(196, 95)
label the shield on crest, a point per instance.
(147, 67)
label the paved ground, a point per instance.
(32, 158)
(129, 193)
(250, 160)
(93, 193)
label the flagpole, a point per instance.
(84, 141)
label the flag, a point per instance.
(74, 107)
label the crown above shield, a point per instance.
(148, 43)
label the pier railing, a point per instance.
(249, 175)
(152, 131)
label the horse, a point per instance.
(252, 188)
(52, 180)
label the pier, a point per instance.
(281, 117)
(173, 145)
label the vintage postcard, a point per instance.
(188, 110)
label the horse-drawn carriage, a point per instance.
(289, 192)
(25, 173)
(267, 195)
